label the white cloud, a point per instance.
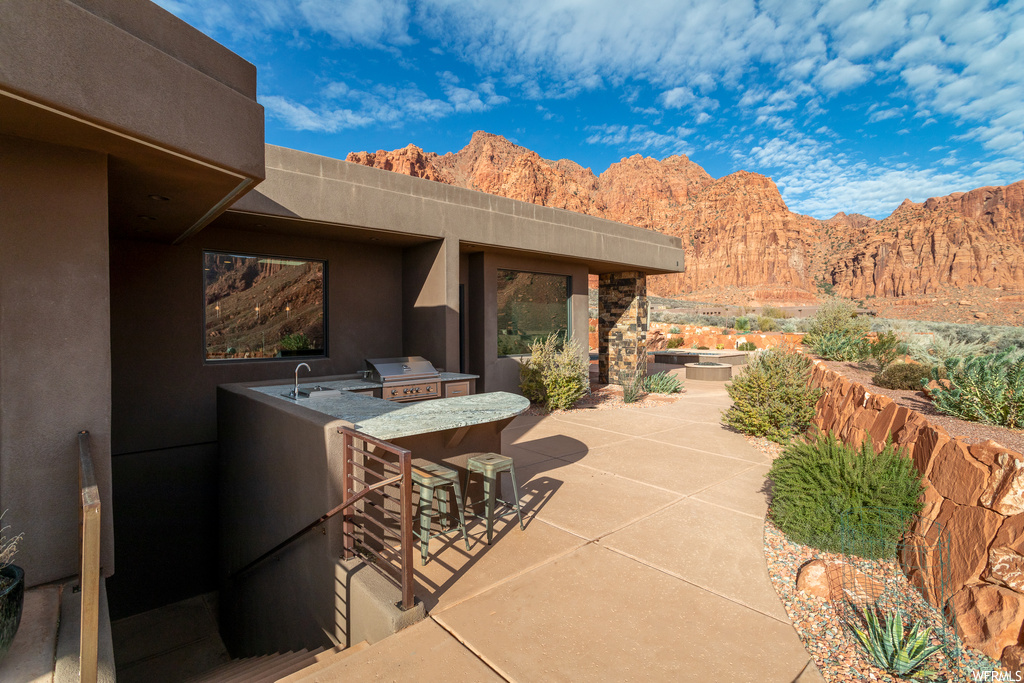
(300, 117)
(841, 74)
(640, 138)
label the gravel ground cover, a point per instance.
(971, 432)
(820, 626)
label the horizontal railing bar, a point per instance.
(366, 438)
(377, 458)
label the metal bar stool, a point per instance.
(491, 465)
(430, 476)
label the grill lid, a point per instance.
(407, 369)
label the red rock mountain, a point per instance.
(744, 245)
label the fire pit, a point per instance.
(708, 371)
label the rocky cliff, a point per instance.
(742, 242)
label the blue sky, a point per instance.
(848, 105)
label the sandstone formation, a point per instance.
(988, 617)
(956, 258)
(813, 579)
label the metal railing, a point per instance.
(391, 548)
(89, 582)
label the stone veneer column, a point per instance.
(622, 326)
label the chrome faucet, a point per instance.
(295, 392)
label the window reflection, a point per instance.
(531, 306)
(263, 306)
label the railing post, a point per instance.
(347, 527)
(405, 464)
(90, 567)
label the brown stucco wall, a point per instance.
(430, 316)
(481, 280)
(55, 346)
(164, 394)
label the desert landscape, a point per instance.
(958, 258)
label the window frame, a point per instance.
(324, 354)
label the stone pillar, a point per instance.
(622, 326)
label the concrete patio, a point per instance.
(641, 559)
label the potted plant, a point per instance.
(12, 590)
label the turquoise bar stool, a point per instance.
(491, 465)
(431, 477)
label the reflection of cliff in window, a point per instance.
(263, 306)
(531, 306)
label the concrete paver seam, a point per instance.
(700, 450)
(674, 575)
(479, 655)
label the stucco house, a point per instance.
(132, 156)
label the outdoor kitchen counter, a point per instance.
(389, 420)
(364, 384)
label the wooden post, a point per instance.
(90, 571)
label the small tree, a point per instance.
(837, 316)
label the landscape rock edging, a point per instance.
(975, 492)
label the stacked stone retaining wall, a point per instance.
(974, 492)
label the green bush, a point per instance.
(987, 389)
(772, 312)
(295, 342)
(771, 397)
(837, 316)
(816, 483)
(674, 343)
(746, 346)
(703, 348)
(765, 323)
(557, 373)
(674, 330)
(742, 324)
(662, 383)
(886, 348)
(903, 376)
(840, 347)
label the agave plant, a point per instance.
(662, 383)
(901, 652)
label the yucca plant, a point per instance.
(899, 651)
(662, 383)
(939, 348)
(987, 389)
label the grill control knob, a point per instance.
(394, 391)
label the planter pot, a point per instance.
(12, 599)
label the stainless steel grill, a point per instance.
(412, 378)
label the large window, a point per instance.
(530, 306)
(263, 306)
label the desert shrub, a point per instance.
(633, 388)
(789, 328)
(987, 389)
(295, 342)
(816, 483)
(746, 346)
(674, 343)
(765, 323)
(903, 376)
(662, 383)
(771, 397)
(837, 316)
(557, 373)
(742, 324)
(840, 347)
(886, 348)
(939, 348)
(703, 348)
(772, 312)
(674, 330)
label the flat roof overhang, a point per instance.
(331, 198)
(174, 111)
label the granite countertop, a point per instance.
(390, 420)
(364, 384)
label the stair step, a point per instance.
(324, 660)
(261, 669)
